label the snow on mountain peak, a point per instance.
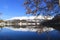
(29, 17)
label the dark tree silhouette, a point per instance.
(54, 23)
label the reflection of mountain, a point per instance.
(30, 22)
(29, 29)
(13, 26)
(55, 22)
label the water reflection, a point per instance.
(32, 29)
(14, 26)
(6, 33)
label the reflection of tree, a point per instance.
(54, 23)
(1, 27)
(13, 26)
(16, 26)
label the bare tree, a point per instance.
(43, 7)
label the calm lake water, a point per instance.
(8, 34)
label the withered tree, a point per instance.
(42, 7)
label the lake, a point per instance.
(7, 33)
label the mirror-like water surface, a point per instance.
(10, 34)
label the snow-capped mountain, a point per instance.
(29, 17)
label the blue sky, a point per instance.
(15, 8)
(11, 8)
